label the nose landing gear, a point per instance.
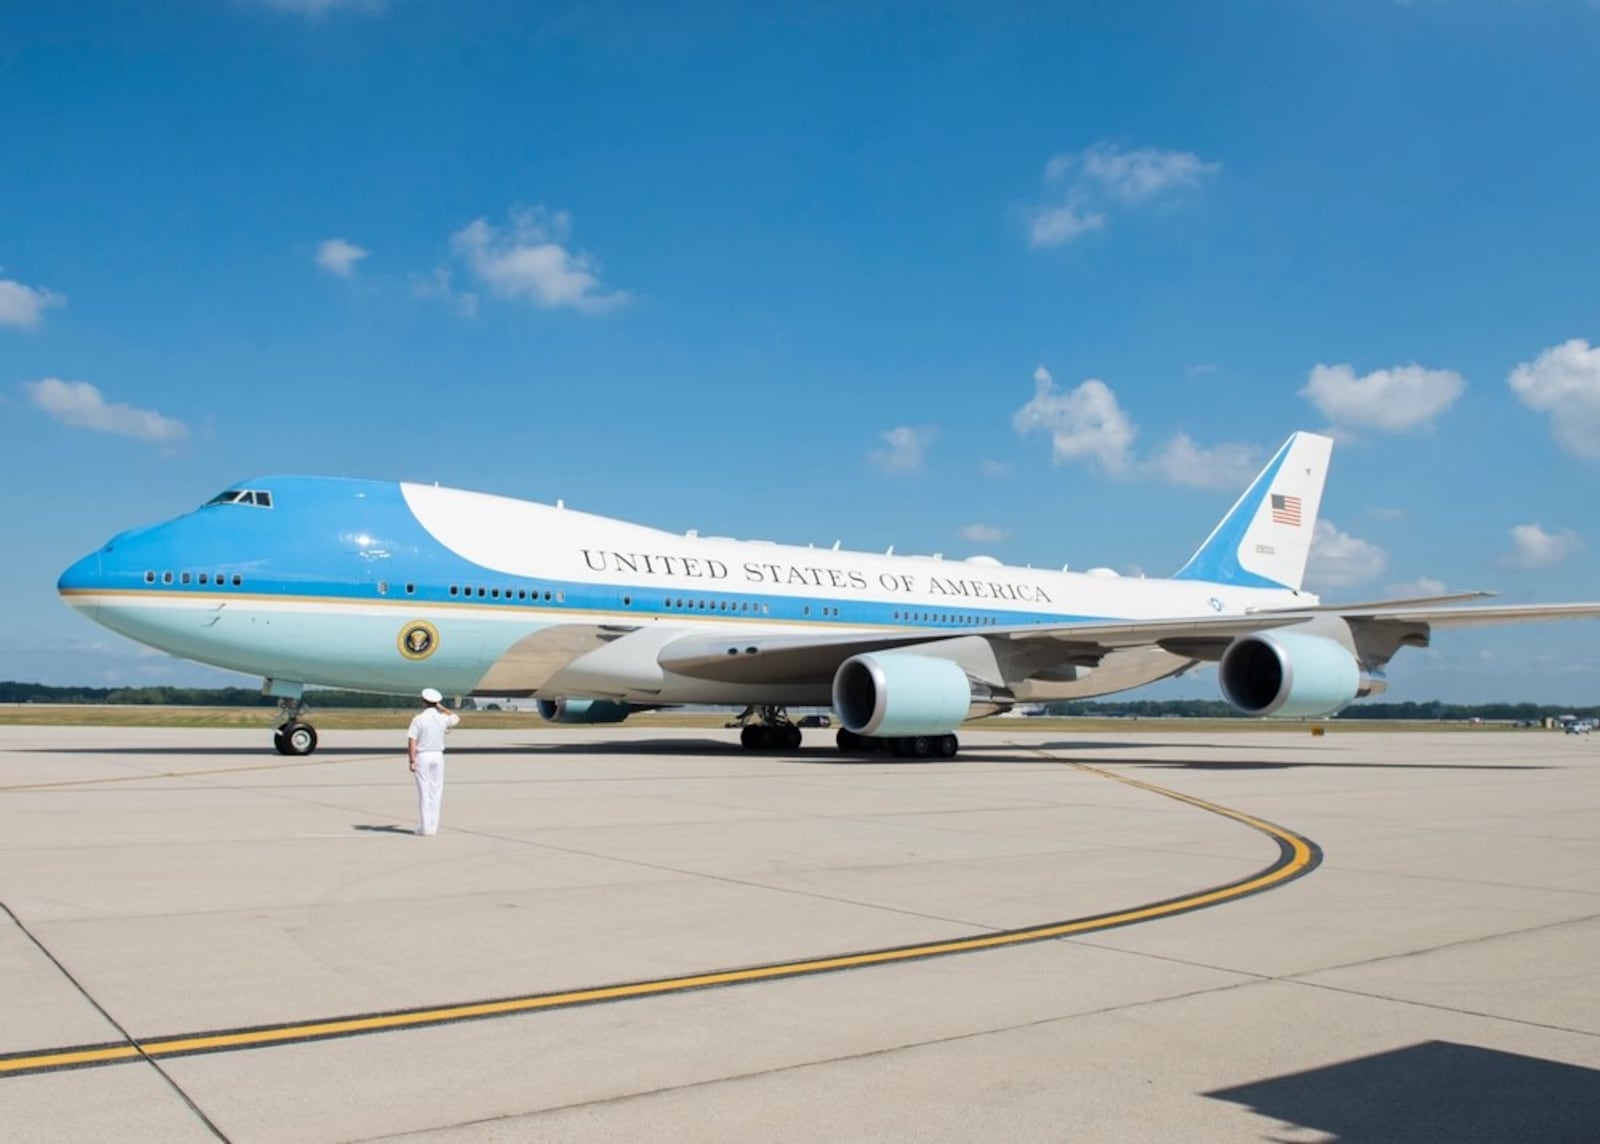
(293, 736)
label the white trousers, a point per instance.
(430, 790)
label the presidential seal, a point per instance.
(418, 640)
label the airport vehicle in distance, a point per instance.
(389, 587)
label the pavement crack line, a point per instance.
(1299, 979)
(1297, 856)
(1439, 1008)
(114, 1023)
(819, 1062)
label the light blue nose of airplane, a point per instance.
(84, 576)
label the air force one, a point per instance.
(389, 587)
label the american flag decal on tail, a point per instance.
(1286, 510)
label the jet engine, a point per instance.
(582, 710)
(889, 696)
(1291, 674)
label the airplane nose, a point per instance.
(80, 577)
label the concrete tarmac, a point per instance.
(203, 941)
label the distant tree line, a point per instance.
(1217, 709)
(12, 692)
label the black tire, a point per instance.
(278, 742)
(298, 739)
(847, 740)
(919, 746)
(791, 738)
(948, 746)
(748, 737)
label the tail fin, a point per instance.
(1265, 539)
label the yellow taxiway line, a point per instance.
(1297, 856)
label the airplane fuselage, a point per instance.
(390, 587)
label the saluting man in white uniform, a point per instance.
(425, 746)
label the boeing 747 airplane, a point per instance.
(390, 587)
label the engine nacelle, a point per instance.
(895, 695)
(1291, 674)
(582, 710)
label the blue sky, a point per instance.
(952, 277)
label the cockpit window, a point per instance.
(258, 497)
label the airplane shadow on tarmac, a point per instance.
(1435, 1090)
(1095, 752)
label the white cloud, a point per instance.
(1182, 462)
(1389, 400)
(1085, 183)
(983, 534)
(1142, 174)
(904, 449)
(1084, 424)
(1421, 586)
(339, 257)
(23, 306)
(80, 405)
(438, 285)
(1339, 560)
(1088, 424)
(1052, 226)
(1533, 548)
(1564, 381)
(528, 260)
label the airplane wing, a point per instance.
(1380, 629)
(808, 659)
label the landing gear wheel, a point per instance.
(948, 746)
(767, 728)
(847, 740)
(295, 739)
(919, 746)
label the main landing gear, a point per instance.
(294, 737)
(903, 746)
(767, 729)
(770, 729)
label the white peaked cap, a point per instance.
(431, 694)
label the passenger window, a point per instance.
(411, 589)
(237, 579)
(383, 587)
(149, 577)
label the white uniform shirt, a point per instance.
(429, 726)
